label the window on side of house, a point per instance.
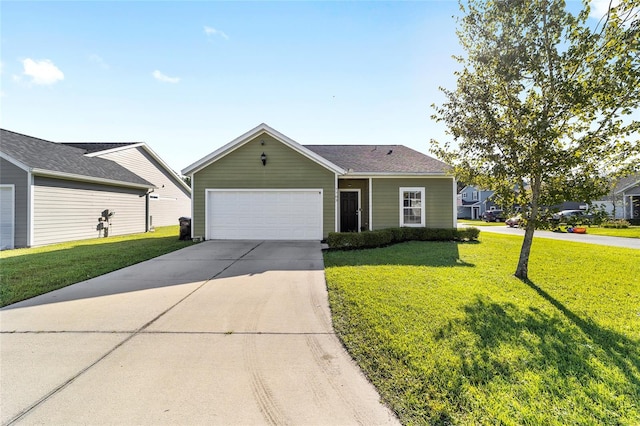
(464, 195)
(412, 207)
(475, 195)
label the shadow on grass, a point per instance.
(30, 274)
(576, 360)
(148, 264)
(623, 351)
(411, 253)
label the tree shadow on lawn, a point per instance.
(411, 253)
(570, 357)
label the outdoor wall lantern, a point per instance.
(263, 157)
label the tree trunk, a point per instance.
(522, 271)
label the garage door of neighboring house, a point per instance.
(283, 214)
(7, 216)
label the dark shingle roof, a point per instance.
(54, 157)
(91, 147)
(379, 158)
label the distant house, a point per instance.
(473, 202)
(171, 196)
(624, 200)
(52, 192)
(264, 185)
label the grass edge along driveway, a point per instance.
(448, 335)
(33, 271)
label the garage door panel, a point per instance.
(264, 214)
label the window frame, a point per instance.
(422, 207)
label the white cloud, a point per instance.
(42, 72)
(599, 8)
(209, 31)
(97, 59)
(165, 78)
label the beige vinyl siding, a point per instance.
(173, 200)
(69, 211)
(242, 168)
(363, 186)
(438, 200)
(12, 174)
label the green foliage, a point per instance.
(384, 237)
(541, 109)
(449, 336)
(33, 271)
(598, 214)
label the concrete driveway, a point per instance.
(218, 333)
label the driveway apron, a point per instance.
(222, 332)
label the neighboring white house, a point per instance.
(171, 197)
(624, 201)
(52, 192)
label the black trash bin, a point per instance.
(185, 228)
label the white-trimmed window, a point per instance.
(475, 195)
(412, 206)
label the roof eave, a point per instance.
(627, 187)
(165, 166)
(116, 149)
(92, 179)
(15, 162)
(397, 174)
(148, 149)
(248, 136)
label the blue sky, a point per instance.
(188, 77)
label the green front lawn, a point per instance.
(630, 232)
(448, 335)
(29, 272)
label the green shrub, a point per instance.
(397, 234)
(617, 223)
(378, 238)
(467, 234)
(384, 237)
(345, 240)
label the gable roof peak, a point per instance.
(248, 136)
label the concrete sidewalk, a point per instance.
(217, 333)
(579, 238)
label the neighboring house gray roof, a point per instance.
(44, 156)
(627, 182)
(92, 147)
(379, 158)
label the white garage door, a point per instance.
(264, 214)
(7, 201)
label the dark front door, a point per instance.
(348, 212)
